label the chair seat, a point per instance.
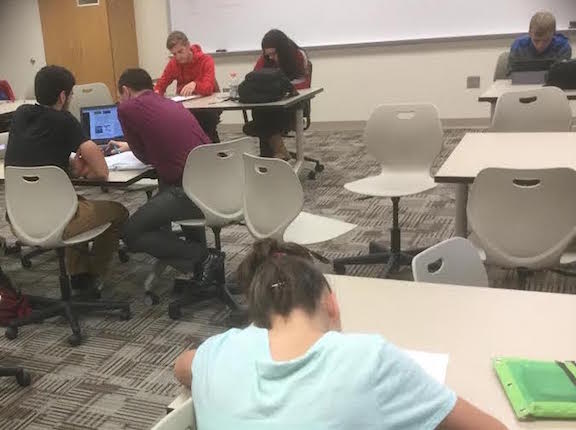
(392, 184)
(87, 235)
(307, 229)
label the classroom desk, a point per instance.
(214, 102)
(502, 86)
(8, 107)
(472, 324)
(116, 178)
(478, 151)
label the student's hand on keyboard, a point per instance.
(116, 147)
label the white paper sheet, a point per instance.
(124, 161)
(184, 98)
(434, 364)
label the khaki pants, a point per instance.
(91, 214)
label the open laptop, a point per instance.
(101, 123)
(530, 72)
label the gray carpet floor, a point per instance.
(121, 376)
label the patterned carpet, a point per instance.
(121, 376)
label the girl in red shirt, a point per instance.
(278, 51)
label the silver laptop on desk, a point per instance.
(101, 123)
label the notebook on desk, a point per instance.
(101, 123)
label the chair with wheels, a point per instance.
(48, 191)
(181, 418)
(544, 109)
(22, 377)
(93, 94)
(213, 180)
(524, 220)
(454, 261)
(406, 139)
(273, 202)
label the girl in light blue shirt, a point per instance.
(294, 369)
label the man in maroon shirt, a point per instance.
(162, 133)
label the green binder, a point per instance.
(539, 389)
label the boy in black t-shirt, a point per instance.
(45, 134)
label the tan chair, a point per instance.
(95, 94)
(524, 219)
(540, 110)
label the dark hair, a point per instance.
(278, 278)
(50, 81)
(175, 38)
(135, 79)
(287, 51)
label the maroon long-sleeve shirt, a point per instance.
(161, 133)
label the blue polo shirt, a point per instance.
(344, 381)
(523, 49)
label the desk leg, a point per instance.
(492, 109)
(299, 139)
(461, 221)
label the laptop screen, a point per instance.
(101, 123)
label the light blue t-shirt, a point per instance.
(344, 381)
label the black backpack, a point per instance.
(562, 75)
(264, 86)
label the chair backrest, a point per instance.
(40, 202)
(454, 261)
(6, 92)
(540, 110)
(273, 196)
(523, 218)
(404, 136)
(214, 179)
(501, 70)
(181, 418)
(95, 94)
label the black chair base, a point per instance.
(22, 377)
(394, 257)
(66, 306)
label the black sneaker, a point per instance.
(211, 270)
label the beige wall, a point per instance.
(21, 45)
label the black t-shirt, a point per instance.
(42, 136)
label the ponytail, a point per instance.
(278, 278)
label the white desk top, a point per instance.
(7, 107)
(214, 101)
(505, 85)
(116, 178)
(471, 324)
(478, 151)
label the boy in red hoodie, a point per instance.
(194, 73)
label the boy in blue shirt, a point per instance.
(543, 43)
(294, 369)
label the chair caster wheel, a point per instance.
(75, 339)
(151, 299)
(174, 311)
(123, 256)
(11, 332)
(23, 378)
(339, 269)
(319, 168)
(311, 175)
(125, 314)
(26, 262)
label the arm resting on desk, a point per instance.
(89, 162)
(466, 416)
(183, 367)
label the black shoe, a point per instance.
(212, 270)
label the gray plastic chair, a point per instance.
(40, 202)
(544, 109)
(273, 202)
(501, 70)
(524, 219)
(454, 261)
(94, 94)
(181, 418)
(405, 139)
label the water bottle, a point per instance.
(233, 85)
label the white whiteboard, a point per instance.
(238, 25)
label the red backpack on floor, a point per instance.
(13, 304)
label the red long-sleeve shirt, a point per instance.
(199, 70)
(301, 82)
